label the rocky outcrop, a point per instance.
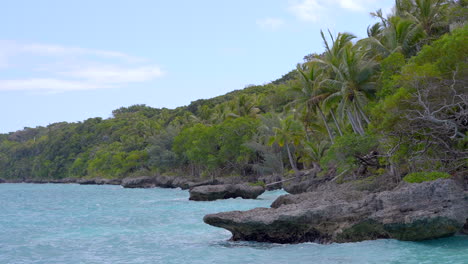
(225, 191)
(163, 182)
(139, 182)
(272, 182)
(64, 180)
(410, 212)
(202, 183)
(464, 230)
(99, 181)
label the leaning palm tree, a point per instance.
(312, 92)
(391, 35)
(430, 15)
(351, 75)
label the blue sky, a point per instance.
(72, 60)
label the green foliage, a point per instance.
(346, 151)
(447, 53)
(390, 70)
(388, 92)
(418, 177)
(258, 183)
(219, 146)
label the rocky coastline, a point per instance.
(409, 212)
(319, 210)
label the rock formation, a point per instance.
(225, 191)
(410, 212)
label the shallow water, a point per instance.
(108, 224)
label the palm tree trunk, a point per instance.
(362, 113)
(336, 123)
(354, 124)
(291, 160)
(326, 124)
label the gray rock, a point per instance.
(410, 212)
(36, 181)
(87, 181)
(202, 183)
(2, 180)
(180, 182)
(225, 191)
(268, 180)
(109, 181)
(464, 230)
(165, 182)
(139, 182)
(64, 180)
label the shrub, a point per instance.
(418, 177)
(347, 149)
(258, 183)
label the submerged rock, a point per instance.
(411, 212)
(225, 191)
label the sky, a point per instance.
(73, 60)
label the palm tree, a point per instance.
(312, 92)
(245, 106)
(351, 77)
(289, 132)
(430, 15)
(391, 35)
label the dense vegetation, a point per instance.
(390, 104)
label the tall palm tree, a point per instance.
(395, 34)
(430, 15)
(312, 92)
(351, 74)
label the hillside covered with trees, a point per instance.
(392, 104)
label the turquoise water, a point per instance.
(108, 224)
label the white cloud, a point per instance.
(314, 10)
(112, 74)
(270, 23)
(59, 50)
(48, 85)
(307, 10)
(63, 68)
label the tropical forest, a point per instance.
(386, 108)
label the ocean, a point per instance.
(59, 223)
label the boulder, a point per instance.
(410, 212)
(109, 181)
(202, 183)
(165, 182)
(87, 181)
(180, 182)
(225, 191)
(2, 180)
(140, 182)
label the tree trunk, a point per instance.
(326, 124)
(291, 160)
(353, 123)
(362, 113)
(336, 123)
